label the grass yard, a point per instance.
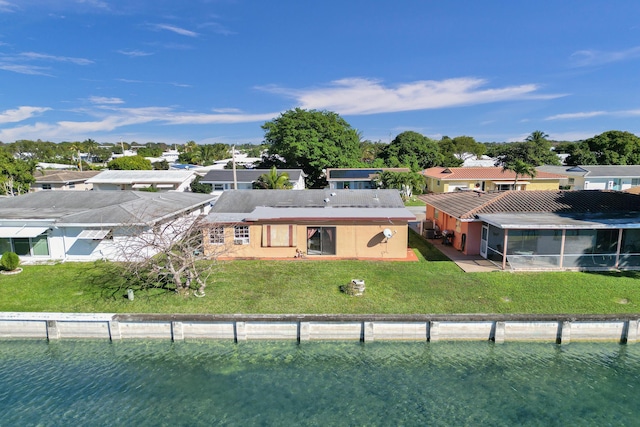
(433, 285)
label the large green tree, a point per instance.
(130, 163)
(413, 150)
(313, 141)
(16, 176)
(614, 147)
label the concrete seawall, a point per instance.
(499, 328)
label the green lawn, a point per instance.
(433, 285)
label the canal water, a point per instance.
(205, 383)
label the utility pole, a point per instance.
(233, 160)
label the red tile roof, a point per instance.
(483, 173)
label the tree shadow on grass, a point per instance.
(111, 280)
(426, 249)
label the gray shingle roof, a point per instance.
(99, 207)
(238, 205)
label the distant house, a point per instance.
(223, 179)
(322, 224)
(445, 180)
(356, 178)
(159, 180)
(596, 177)
(62, 180)
(556, 230)
(87, 225)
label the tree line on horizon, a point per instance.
(314, 141)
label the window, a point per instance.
(572, 181)
(435, 213)
(26, 246)
(218, 187)
(635, 181)
(241, 235)
(504, 187)
(46, 186)
(216, 236)
(321, 240)
(72, 185)
(279, 235)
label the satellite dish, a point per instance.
(387, 233)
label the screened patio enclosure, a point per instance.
(545, 241)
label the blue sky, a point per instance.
(216, 70)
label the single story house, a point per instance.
(555, 230)
(159, 180)
(597, 177)
(223, 179)
(62, 180)
(444, 179)
(356, 178)
(87, 225)
(320, 224)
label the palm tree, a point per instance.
(273, 180)
(520, 168)
(537, 136)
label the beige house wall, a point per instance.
(441, 186)
(353, 240)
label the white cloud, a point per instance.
(6, 6)
(46, 57)
(583, 115)
(105, 100)
(109, 118)
(584, 58)
(359, 96)
(590, 114)
(134, 53)
(25, 69)
(176, 30)
(21, 113)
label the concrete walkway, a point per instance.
(468, 263)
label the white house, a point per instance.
(223, 179)
(597, 177)
(88, 225)
(160, 180)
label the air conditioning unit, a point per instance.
(241, 241)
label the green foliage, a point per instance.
(130, 163)
(16, 176)
(406, 182)
(613, 148)
(535, 150)
(273, 180)
(162, 165)
(10, 261)
(313, 141)
(413, 150)
(520, 168)
(199, 187)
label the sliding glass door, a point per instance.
(321, 240)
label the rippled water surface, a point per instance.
(284, 383)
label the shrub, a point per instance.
(10, 261)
